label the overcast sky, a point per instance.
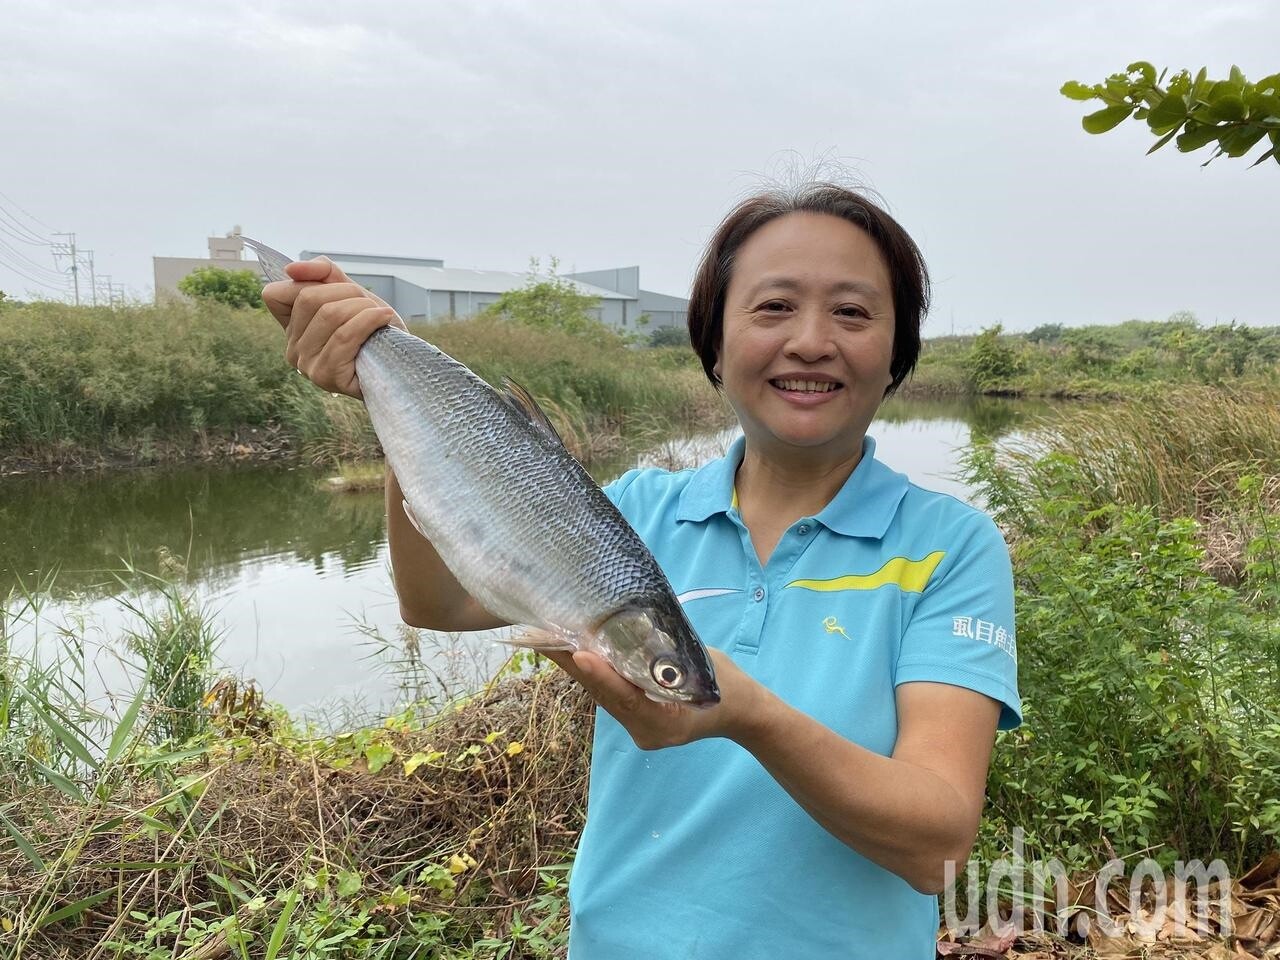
(619, 133)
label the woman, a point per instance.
(861, 627)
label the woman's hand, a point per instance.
(327, 319)
(653, 725)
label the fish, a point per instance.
(517, 519)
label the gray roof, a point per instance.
(461, 279)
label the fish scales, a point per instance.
(503, 495)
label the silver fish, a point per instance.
(518, 521)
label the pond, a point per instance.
(295, 576)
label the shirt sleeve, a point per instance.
(961, 631)
(615, 490)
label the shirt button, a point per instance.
(802, 529)
(759, 594)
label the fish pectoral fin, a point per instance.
(413, 519)
(541, 640)
(522, 400)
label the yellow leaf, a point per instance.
(514, 747)
(494, 735)
(458, 865)
(7, 924)
(414, 762)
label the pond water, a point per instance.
(296, 577)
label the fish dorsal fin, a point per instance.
(522, 400)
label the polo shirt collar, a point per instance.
(864, 506)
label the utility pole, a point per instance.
(69, 250)
(93, 283)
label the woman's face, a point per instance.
(808, 335)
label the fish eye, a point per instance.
(667, 673)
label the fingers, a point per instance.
(281, 296)
(316, 318)
(607, 687)
(318, 270)
(334, 368)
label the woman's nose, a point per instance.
(811, 337)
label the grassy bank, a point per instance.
(85, 386)
(1121, 361)
(1146, 552)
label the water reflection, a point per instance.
(200, 525)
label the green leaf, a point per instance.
(74, 909)
(1264, 105)
(349, 883)
(1240, 140)
(282, 925)
(1273, 152)
(69, 740)
(64, 784)
(1075, 90)
(1168, 114)
(1147, 70)
(22, 843)
(1195, 137)
(1107, 118)
(1227, 107)
(125, 728)
(1163, 140)
(378, 755)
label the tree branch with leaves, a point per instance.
(1233, 114)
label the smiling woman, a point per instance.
(861, 627)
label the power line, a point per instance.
(24, 233)
(27, 262)
(35, 280)
(29, 216)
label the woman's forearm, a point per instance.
(430, 595)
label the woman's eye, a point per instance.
(774, 305)
(851, 312)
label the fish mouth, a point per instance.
(702, 699)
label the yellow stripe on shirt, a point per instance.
(910, 576)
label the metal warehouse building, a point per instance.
(425, 289)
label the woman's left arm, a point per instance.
(910, 812)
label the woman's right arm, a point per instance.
(429, 594)
(327, 318)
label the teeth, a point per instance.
(806, 386)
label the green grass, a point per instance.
(1104, 362)
(150, 383)
(1149, 662)
(255, 837)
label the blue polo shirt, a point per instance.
(695, 852)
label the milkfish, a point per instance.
(517, 520)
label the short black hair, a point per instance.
(908, 274)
